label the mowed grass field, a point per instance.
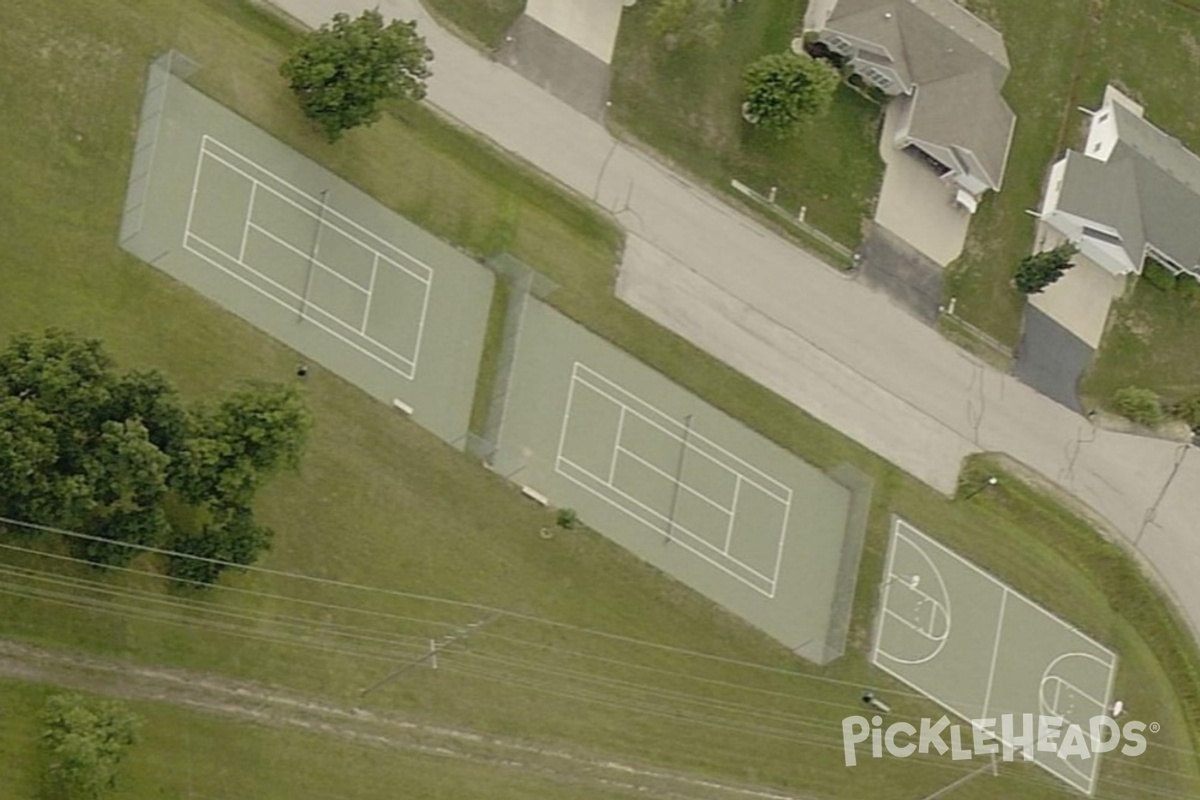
(186, 754)
(378, 503)
(685, 104)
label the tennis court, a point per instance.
(982, 650)
(305, 256)
(675, 481)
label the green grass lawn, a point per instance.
(1150, 343)
(380, 503)
(480, 22)
(685, 105)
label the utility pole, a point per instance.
(687, 429)
(434, 646)
(312, 254)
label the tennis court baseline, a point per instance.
(674, 480)
(299, 252)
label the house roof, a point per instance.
(984, 131)
(1148, 189)
(927, 39)
(957, 61)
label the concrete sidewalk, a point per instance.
(834, 347)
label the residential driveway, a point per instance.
(827, 343)
(1051, 358)
(558, 65)
(1080, 299)
(591, 24)
(908, 276)
(917, 205)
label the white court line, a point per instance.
(671, 478)
(316, 261)
(681, 542)
(999, 583)
(409, 361)
(246, 226)
(782, 534)
(370, 295)
(612, 462)
(782, 488)
(945, 604)
(987, 696)
(737, 488)
(656, 514)
(426, 278)
(291, 308)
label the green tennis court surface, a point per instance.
(675, 481)
(972, 644)
(282, 242)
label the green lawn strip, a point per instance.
(489, 362)
(1043, 43)
(183, 753)
(481, 23)
(1149, 343)
(379, 502)
(685, 105)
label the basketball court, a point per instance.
(982, 650)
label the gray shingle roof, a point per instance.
(1148, 189)
(958, 62)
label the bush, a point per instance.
(1140, 405)
(1158, 276)
(566, 518)
(782, 89)
(1188, 410)
(1188, 288)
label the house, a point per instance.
(944, 67)
(1133, 193)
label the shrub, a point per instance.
(1158, 276)
(1188, 410)
(566, 518)
(1188, 288)
(1140, 405)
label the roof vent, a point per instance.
(887, 15)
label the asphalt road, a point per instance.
(837, 349)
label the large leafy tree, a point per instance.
(782, 89)
(119, 458)
(86, 743)
(1039, 270)
(344, 70)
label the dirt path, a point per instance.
(271, 706)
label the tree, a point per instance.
(686, 22)
(86, 743)
(784, 88)
(229, 534)
(128, 479)
(238, 443)
(343, 71)
(116, 456)
(1039, 270)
